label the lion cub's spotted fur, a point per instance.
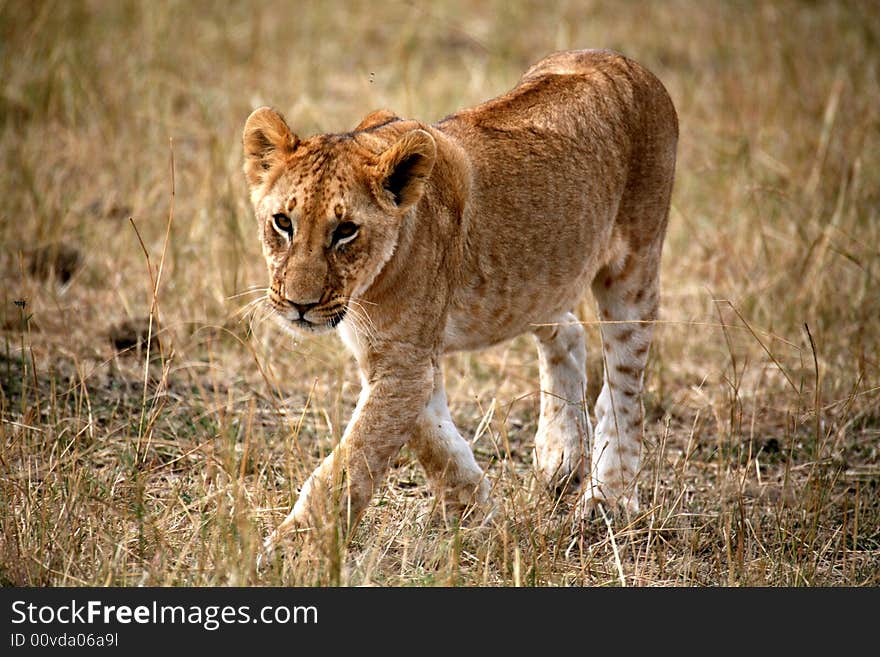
(467, 232)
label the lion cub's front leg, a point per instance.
(447, 458)
(341, 487)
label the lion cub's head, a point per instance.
(329, 210)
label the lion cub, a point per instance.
(414, 240)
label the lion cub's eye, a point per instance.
(282, 223)
(345, 232)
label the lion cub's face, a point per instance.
(329, 213)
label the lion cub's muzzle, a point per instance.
(309, 317)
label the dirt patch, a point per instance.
(131, 335)
(57, 262)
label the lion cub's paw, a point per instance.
(558, 463)
(594, 503)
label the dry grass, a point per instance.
(126, 461)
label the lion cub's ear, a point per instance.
(405, 166)
(375, 119)
(267, 141)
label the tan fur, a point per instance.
(470, 231)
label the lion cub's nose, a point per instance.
(301, 308)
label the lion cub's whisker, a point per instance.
(255, 290)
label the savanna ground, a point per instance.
(128, 461)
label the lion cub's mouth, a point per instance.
(319, 321)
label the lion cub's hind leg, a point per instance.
(448, 460)
(564, 426)
(628, 303)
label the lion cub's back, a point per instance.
(574, 92)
